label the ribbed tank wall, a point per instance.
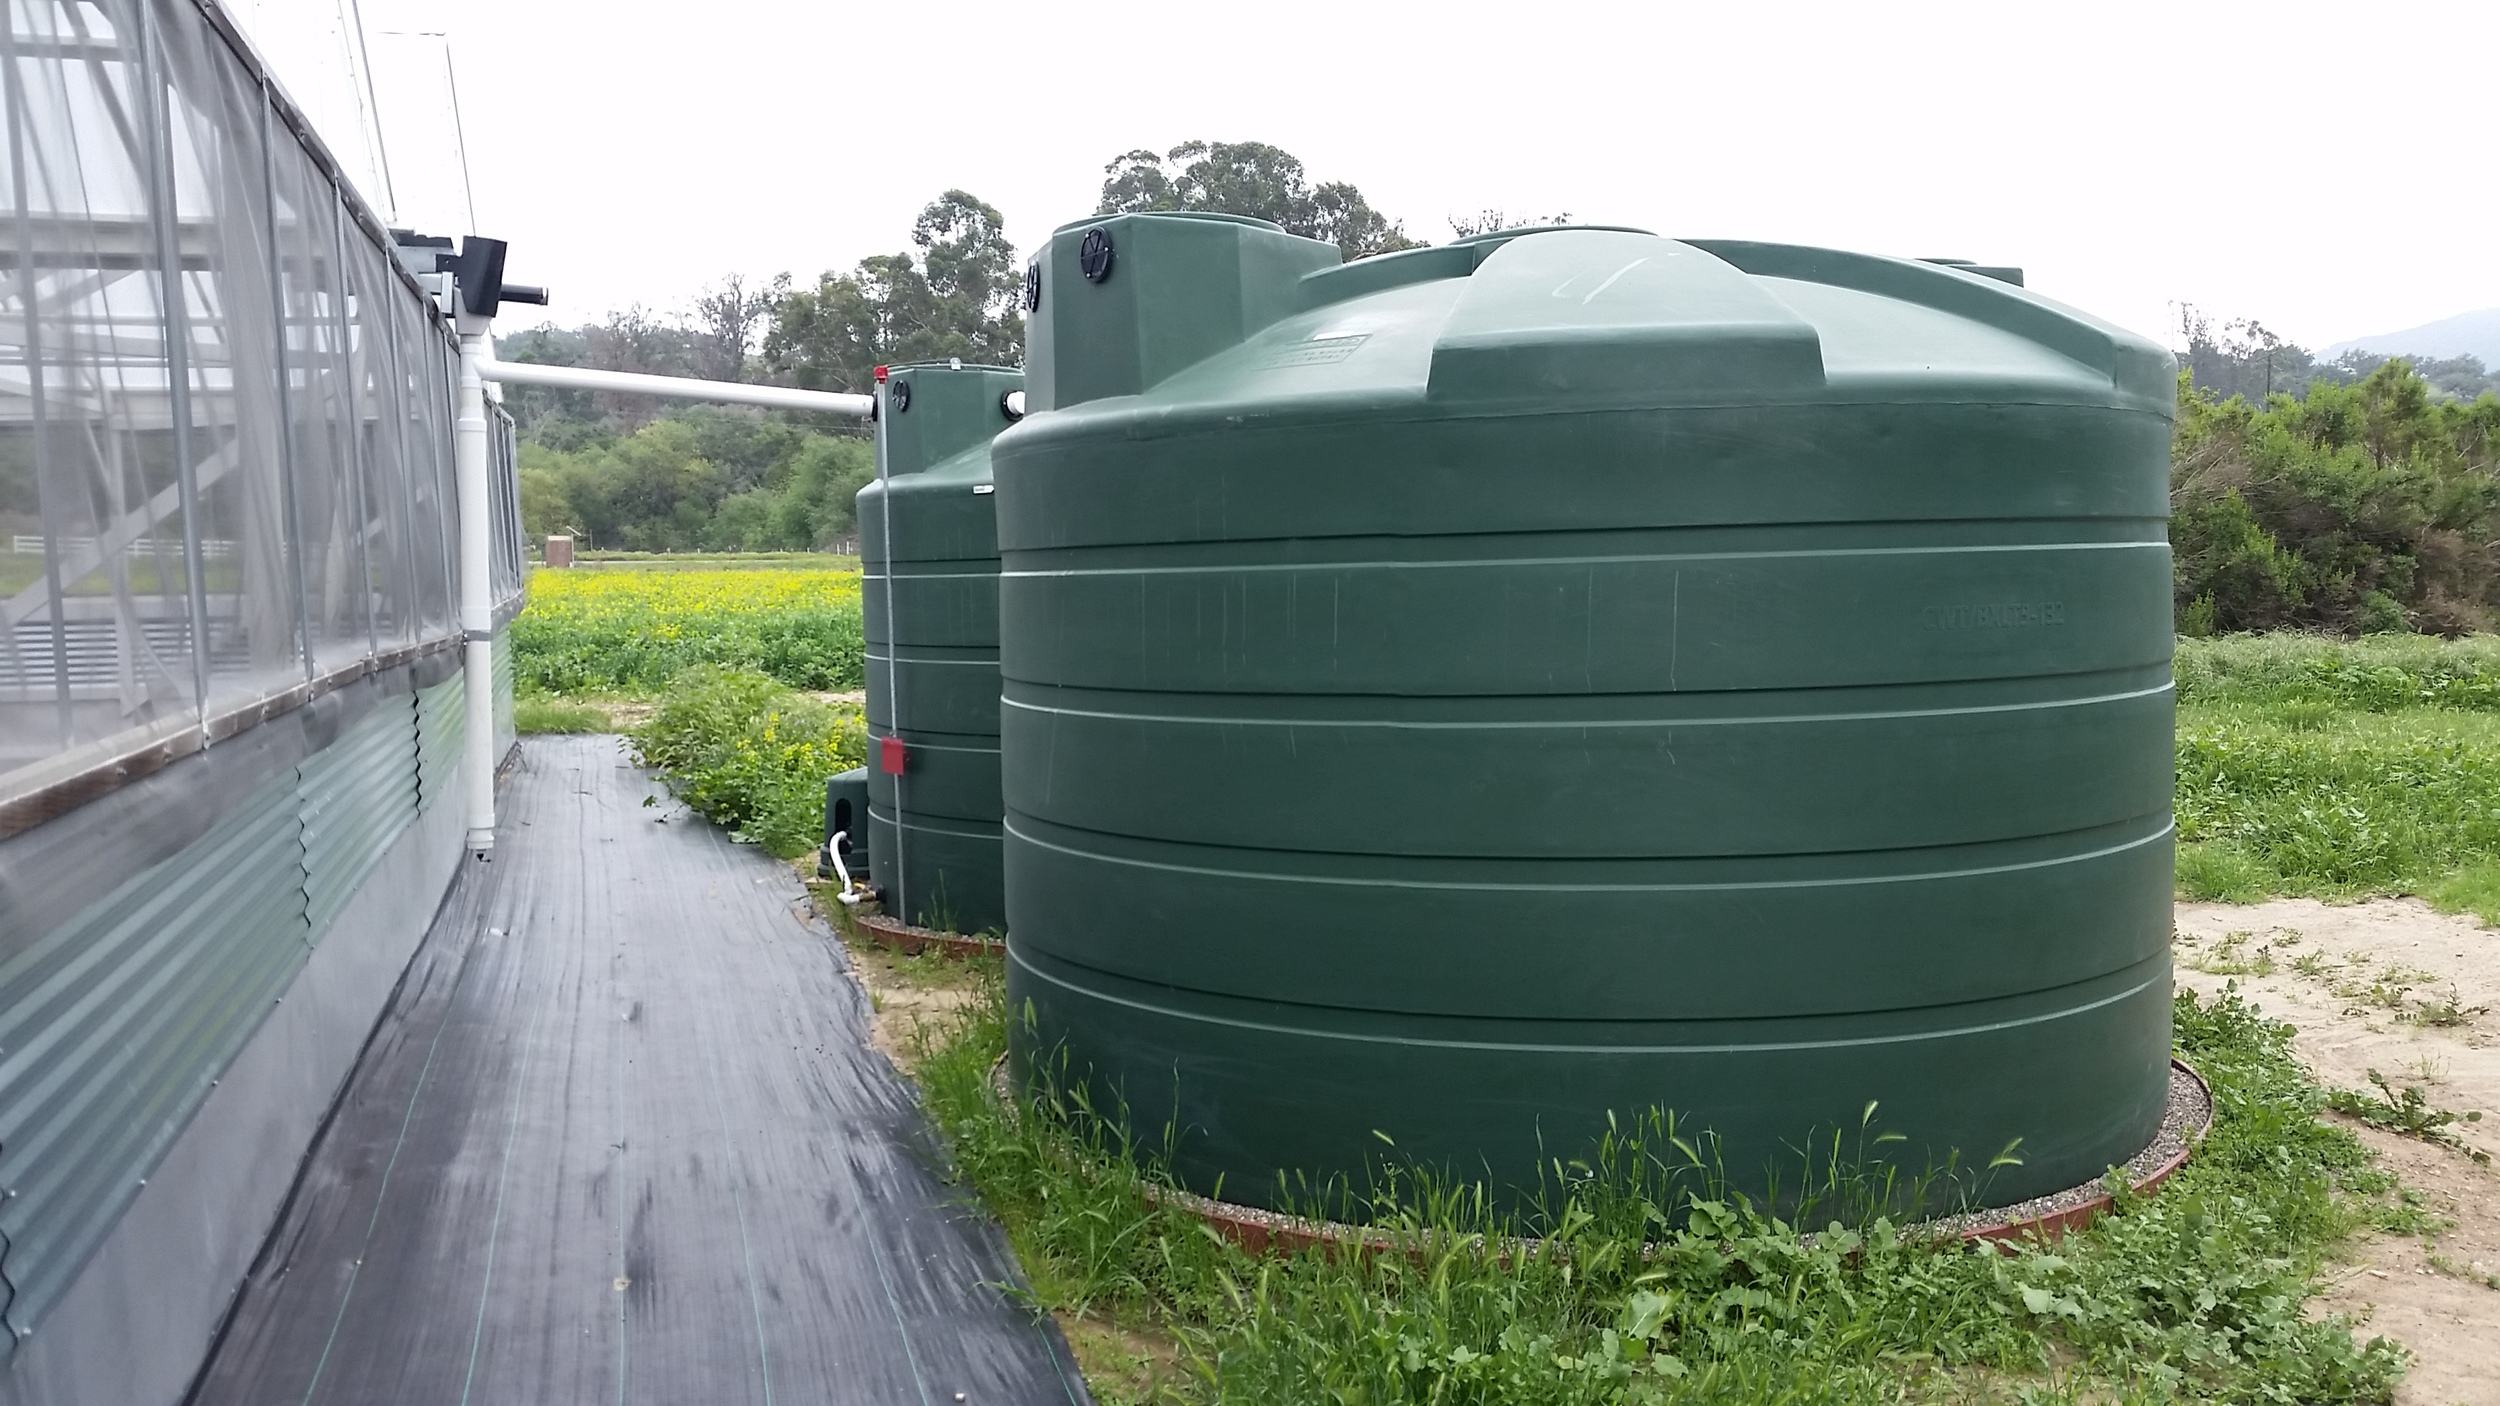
(1586, 674)
(929, 595)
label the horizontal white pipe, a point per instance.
(582, 378)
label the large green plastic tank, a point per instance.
(932, 656)
(1458, 695)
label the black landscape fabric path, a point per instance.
(621, 1138)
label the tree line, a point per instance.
(2355, 494)
(635, 473)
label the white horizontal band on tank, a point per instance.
(1373, 881)
(1016, 957)
(1608, 559)
(1577, 724)
(582, 378)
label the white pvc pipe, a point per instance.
(477, 592)
(582, 378)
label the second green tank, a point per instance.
(929, 592)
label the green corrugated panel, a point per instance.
(505, 733)
(358, 795)
(440, 720)
(114, 1025)
(929, 586)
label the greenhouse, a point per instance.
(231, 693)
(268, 1013)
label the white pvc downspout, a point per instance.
(477, 591)
(471, 479)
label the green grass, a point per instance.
(536, 714)
(2339, 769)
(1652, 1285)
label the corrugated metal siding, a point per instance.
(505, 733)
(114, 1025)
(358, 795)
(440, 720)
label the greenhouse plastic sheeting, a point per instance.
(225, 409)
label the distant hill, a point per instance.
(2474, 334)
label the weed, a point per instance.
(2229, 957)
(2430, 1069)
(2311, 964)
(2407, 1112)
(2446, 1013)
(750, 754)
(2471, 1273)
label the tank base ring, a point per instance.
(910, 940)
(2187, 1116)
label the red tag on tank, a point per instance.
(890, 755)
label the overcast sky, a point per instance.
(2326, 170)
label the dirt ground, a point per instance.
(904, 993)
(2396, 986)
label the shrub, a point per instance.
(751, 755)
(2359, 508)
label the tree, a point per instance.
(959, 299)
(559, 419)
(2242, 357)
(727, 320)
(1495, 221)
(1249, 178)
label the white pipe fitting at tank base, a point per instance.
(477, 592)
(849, 896)
(583, 378)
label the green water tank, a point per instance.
(1458, 695)
(928, 546)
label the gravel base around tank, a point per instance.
(2187, 1116)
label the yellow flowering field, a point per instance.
(594, 631)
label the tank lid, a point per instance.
(1583, 318)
